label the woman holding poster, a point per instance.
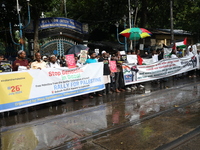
(119, 80)
(106, 71)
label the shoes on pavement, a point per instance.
(128, 89)
(117, 91)
(141, 86)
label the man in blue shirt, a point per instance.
(90, 60)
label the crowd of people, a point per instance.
(114, 81)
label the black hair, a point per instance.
(91, 52)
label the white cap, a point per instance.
(44, 57)
(103, 52)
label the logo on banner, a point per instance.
(15, 87)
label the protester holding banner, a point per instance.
(53, 63)
(140, 60)
(90, 60)
(38, 63)
(106, 71)
(173, 54)
(160, 53)
(21, 63)
(154, 56)
(119, 80)
(63, 61)
(192, 56)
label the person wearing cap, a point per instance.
(103, 52)
(38, 63)
(53, 63)
(44, 58)
(21, 61)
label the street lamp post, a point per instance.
(125, 40)
(21, 44)
(131, 12)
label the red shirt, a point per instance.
(17, 63)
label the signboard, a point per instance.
(161, 69)
(33, 87)
(97, 51)
(132, 59)
(56, 22)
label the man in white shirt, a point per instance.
(38, 64)
(53, 63)
(191, 55)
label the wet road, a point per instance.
(146, 119)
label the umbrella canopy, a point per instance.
(136, 33)
(76, 49)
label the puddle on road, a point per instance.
(152, 133)
(54, 124)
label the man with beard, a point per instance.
(21, 61)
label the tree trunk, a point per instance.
(36, 36)
(144, 14)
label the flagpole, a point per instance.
(172, 21)
(130, 25)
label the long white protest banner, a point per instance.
(33, 87)
(161, 69)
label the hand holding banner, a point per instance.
(70, 61)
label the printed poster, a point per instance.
(113, 66)
(83, 56)
(71, 62)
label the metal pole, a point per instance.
(65, 8)
(125, 40)
(20, 33)
(118, 37)
(129, 14)
(172, 21)
(20, 26)
(130, 22)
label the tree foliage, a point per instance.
(101, 15)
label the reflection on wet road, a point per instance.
(111, 117)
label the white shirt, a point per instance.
(53, 65)
(190, 54)
(155, 57)
(173, 56)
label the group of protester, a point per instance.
(114, 81)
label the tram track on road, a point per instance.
(39, 121)
(70, 144)
(182, 140)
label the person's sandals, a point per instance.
(122, 90)
(99, 95)
(117, 91)
(91, 97)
